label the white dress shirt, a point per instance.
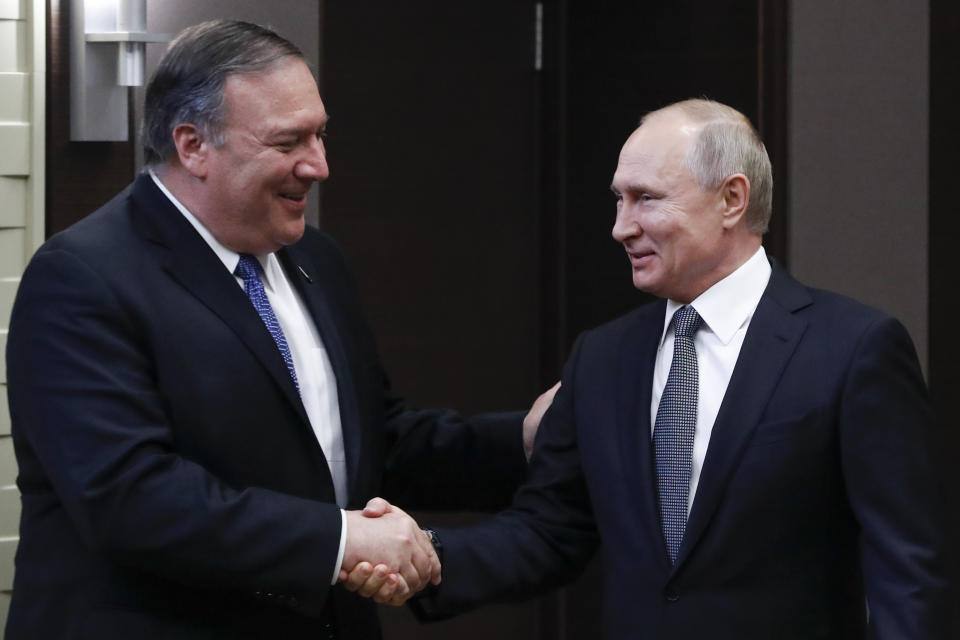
(318, 385)
(726, 308)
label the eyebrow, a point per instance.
(296, 131)
(632, 187)
(637, 188)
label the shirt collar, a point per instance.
(228, 257)
(731, 302)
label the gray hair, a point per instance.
(187, 86)
(727, 144)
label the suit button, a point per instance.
(671, 595)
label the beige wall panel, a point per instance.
(8, 290)
(9, 514)
(4, 416)
(858, 143)
(14, 97)
(12, 257)
(13, 45)
(13, 9)
(3, 349)
(13, 202)
(8, 548)
(4, 608)
(8, 467)
(14, 149)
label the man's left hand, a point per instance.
(532, 421)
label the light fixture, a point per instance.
(107, 55)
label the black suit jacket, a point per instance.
(172, 486)
(817, 491)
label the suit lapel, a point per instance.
(637, 357)
(190, 261)
(771, 339)
(316, 293)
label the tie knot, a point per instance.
(686, 322)
(248, 267)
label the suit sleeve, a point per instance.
(886, 440)
(90, 425)
(543, 540)
(437, 459)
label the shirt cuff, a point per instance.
(343, 545)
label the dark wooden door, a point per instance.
(432, 192)
(944, 344)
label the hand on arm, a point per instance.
(532, 420)
(387, 556)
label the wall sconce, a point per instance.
(108, 55)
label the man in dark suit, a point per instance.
(197, 400)
(753, 455)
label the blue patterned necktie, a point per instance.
(249, 270)
(674, 428)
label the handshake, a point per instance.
(387, 556)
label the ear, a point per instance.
(192, 149)
(735, 196)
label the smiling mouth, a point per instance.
(293, 197)
(635, 256)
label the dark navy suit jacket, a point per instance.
(172, 485)
(817, 494)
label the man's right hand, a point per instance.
(387, 541)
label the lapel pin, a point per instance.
(305, 274)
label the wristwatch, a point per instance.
(435, 541)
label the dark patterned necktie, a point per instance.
(249, 270)
(674, 429)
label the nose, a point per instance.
(624, 227)
(313, 166)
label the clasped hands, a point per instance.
(387, 556)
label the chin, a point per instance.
(646, 284)
(293, 234)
